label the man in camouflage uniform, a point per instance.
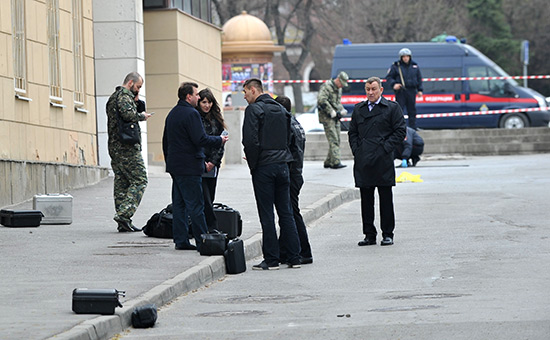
(330, 111)
(126, 160)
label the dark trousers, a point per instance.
(417, 150)
(387, 217)
(271, 184)
(296, 183)
(209, 195)
(407, 100)
(187, 201)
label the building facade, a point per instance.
(47, 105)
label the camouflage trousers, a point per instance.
(129, 185)
(332, 131)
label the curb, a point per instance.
(207, 271)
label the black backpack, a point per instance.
(160, 224)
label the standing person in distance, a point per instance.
(297, 147)
(214, 125)
(405, 78)
(266, 137)
(182, 144)
(126, 159)
(330, 110)
(377, 126)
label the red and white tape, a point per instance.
(280, 81)
(469, 113)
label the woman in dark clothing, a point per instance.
(214, 125)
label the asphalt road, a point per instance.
(471, 260)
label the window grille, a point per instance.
(53, 50)
(78, 54)
(19, 46)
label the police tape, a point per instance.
(313, 81)
(469, 113)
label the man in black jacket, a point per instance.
(405, 79)
(377, 126)
(297, 147)
(266, 137)
(182, 144)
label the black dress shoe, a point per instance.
(185, 247)
(338, 166)
(366, 242)
(387, 241)
(306, 260)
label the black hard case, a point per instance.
(235, 261)
(20, 218)
(96, 301)
(229, 220)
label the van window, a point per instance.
(493, 88)
(441, 86)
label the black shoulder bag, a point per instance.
(128, 132)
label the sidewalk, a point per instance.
(41, 266)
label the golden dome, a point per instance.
(247, 33)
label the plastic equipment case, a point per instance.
(96, 301)
(20, 218)
(229, 220)
(57, 208)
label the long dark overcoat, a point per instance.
(373, 135)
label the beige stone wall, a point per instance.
(178, 47)
(35, 130)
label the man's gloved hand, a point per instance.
(343, 112)
(404, 163)
(332, 113)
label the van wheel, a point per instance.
(514, 121)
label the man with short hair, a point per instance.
(377, 126)
(182, 144)
(126, 159)
(330, 110)
(266, 138)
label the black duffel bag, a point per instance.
(160, 224)
(144, 316)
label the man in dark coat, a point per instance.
(377, 126)
(266, 139)
(182, 144)
(405, 78)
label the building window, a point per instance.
(78, 54)
(19, 46)
(53, 49)
(198, 8)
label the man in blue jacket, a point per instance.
(405, 79)
(266, 139)
(182, 144)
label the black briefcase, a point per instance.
(235, 261)
(96, 301)
(229, 220)
(20, 218)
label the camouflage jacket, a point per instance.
(328, 99)
(122, 100)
